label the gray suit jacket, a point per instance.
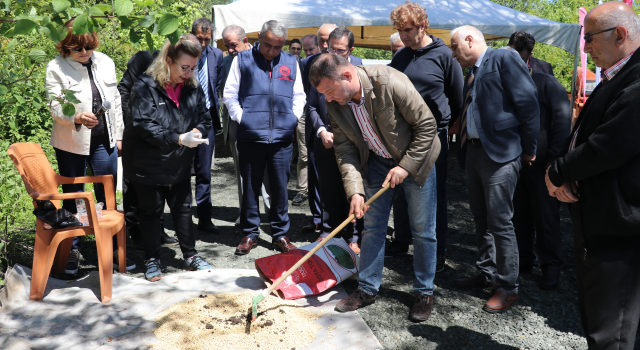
(505, 107)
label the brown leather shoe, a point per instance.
(501, 301)
(245, 246)
(355, 301)
(354, 247)
(476, 281)
(421, 308)
(283, 245)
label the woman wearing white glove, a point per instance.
(169, 117)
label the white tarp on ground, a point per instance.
(72, 317)
(371, 17)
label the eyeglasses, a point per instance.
(186, 69)
(588, 37)
(87, 47)
(339, 52)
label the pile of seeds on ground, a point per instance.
(219, 321)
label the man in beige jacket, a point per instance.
(383, 132)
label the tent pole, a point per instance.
(573, 79)
(361, 32)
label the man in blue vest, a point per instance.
(265, 96)
(209, 68)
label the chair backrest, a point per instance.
(34, 167)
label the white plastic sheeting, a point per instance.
(71, 316)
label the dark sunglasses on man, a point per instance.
(87, 47)
(588, 37)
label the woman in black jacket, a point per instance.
(169, 117)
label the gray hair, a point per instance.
(327, 66)
(394, 37)
(202, 23)
(276, 28)
(462, 32)
(342, 32)
(322, 26)
(235, 29)
(628, 20)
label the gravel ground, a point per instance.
(539, 320)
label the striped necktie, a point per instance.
(202, 78)
(467, 102)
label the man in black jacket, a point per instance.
(536, 215)
(429, 64)
(599, 177)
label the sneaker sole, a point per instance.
(71, 272)
(168, 244)
(154, 279)
(493, 311)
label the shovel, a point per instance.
(258, 298)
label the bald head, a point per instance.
(612, 31)
(323, 36)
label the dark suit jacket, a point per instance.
(316, 109)
(555, 121)
(505, 107)
(214, 67)
(606, 162)
(540, 66)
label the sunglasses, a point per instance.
(87, 47)
(588, 37)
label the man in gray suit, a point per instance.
(235, 39)
(499, 127)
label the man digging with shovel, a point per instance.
(383, 133)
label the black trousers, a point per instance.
(151, 199)
(333, 198)
(130, 205)
(313, 190)
(608, 292)
(536, 217)
(202, 169)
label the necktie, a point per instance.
(467, 102)
(202, 78)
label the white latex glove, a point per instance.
(192, 139)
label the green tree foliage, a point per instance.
(564, 11)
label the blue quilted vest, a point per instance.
(267, 103)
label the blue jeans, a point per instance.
(102, 159)
(400, 217)
(421, 202)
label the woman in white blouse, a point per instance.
(93, 135)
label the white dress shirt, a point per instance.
(232, 87)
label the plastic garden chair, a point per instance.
(52, 246)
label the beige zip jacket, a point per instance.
(66, 73)
(401, 118)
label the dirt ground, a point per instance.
(539, 320)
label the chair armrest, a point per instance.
(86, 196)
(105, 180)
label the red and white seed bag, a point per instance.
(332, 264)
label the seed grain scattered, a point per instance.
(219, 321)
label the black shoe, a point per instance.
(440, 262)
(73, 262)
(130, 264)
(395, 248)
(168, 240)
(309, 228)
(299, 199)
(208, 226)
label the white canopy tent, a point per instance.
(369, 20)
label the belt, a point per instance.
(475, 142)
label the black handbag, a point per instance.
(56, 218)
